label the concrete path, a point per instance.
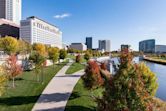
(58, 91)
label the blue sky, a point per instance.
(121, 21)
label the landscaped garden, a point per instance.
(81, 100)
(75, 67)
(133, 88)
(27, 90)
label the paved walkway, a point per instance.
(58, 91)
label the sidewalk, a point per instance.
(58, 91)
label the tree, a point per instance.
(24, 47)
(3, 80)
(87, 56)
(62, 54)
(13, 68)
(38, 60)
(131, 89)
(40, 48)
(92, 78)
(78, 58)
(53, 54)
(149, 79)
(9, 45)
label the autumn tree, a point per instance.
(3, 80)
(53, 54)
(62, 54)
(92, 78)
(130, 89)
(9, 45)
(24, 47)
(40, 48)
(13, 68)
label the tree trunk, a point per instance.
(42, 75)
(13, 83)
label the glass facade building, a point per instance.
(147, 46)
(89, 42)
(105, 45)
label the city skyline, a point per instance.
(119, 21)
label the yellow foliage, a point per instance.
(3, 80)
(40, 48)
(9, 45)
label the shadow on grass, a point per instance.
(69, 75)
(79, 108)
(18, 100)
(69, 108)
(74, 95)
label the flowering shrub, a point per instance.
(92, 78)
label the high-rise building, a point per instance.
(35, 30)
(105, 45)
(147, 46)
(89, 42)
(11, 10)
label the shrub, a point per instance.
(87, 56)
(131, 88)
(103, 66)
(92, 78)
(62, 54)
(78, 58)
(149, 78)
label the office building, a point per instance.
(8, 28)
(125, 46)
(11, 10)
(35, 30)
(147, 46)
(89, 42)
(105, 45)
(78, 46)
(160, 48)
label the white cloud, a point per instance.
(62, 16)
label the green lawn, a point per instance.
(27, 91)
(74, 68)
(80, 100)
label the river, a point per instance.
(160, 71)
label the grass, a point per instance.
(27, 90)
(80, 100)
(74, 68)
(155, 60)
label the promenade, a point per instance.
(58, 91)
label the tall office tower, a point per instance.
(105, 45)
(11, 10)
(89, 42)
(35, 30)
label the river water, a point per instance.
(160, 71)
